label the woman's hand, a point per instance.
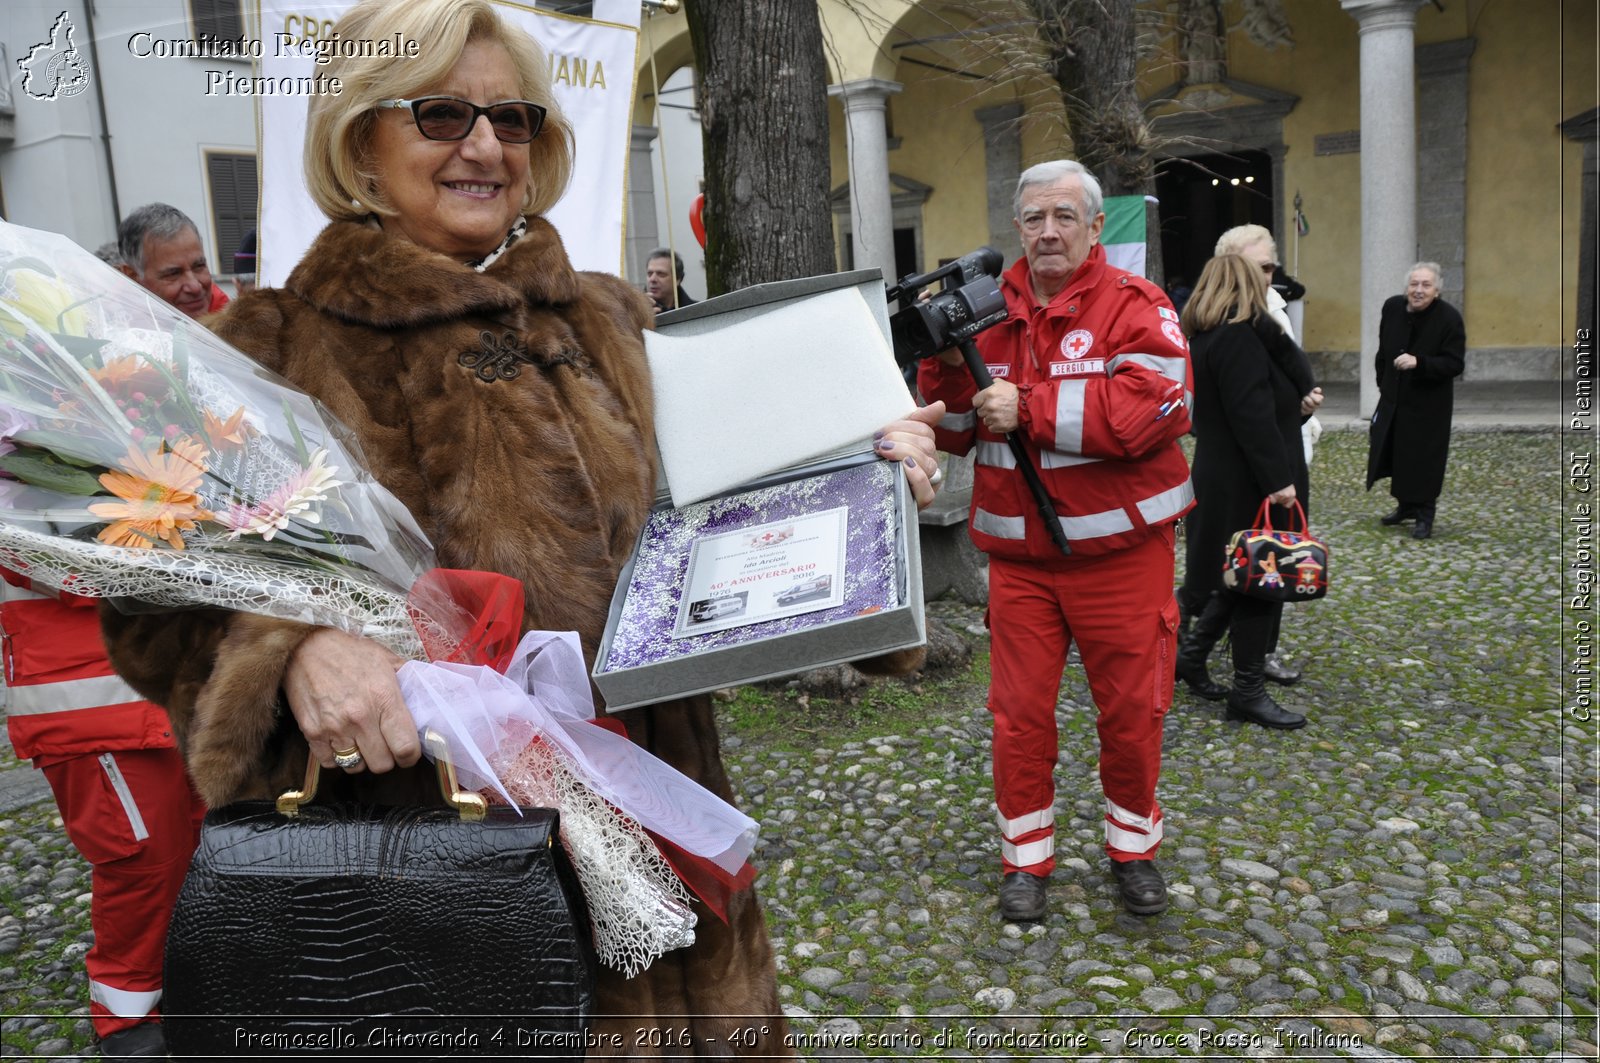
(344, 695)
(910, 442)
(1311, 402)
(1282, 496)
(1406, 360)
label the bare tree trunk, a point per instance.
(1092, 51)
(764, 120)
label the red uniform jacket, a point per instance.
(1103, 375)
(62, 696)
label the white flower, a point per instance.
(290, 502)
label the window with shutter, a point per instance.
(218, 20)
(234, 193)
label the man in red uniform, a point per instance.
(1091, 372)
(124, 797)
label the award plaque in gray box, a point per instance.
(799, 568)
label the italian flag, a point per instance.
(1123, 235)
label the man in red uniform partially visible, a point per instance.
(160, 248)
(124, 798)
(1091, 371)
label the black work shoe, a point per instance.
(1144, 891)
(1401, 513)
(1278, 672)
(1263, 710)
(145, 1041)
(1423, 530)
(1022, 897)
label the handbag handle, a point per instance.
(469, 806)
(1264, 516)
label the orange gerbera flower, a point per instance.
(158, 496)
(128, 374)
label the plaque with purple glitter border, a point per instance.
(646, 619)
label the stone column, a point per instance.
(871, 209)
(643, 236)
(1388, 164)
(1002, 158)
(1442, 162)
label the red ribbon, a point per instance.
(487, 608)
(486, 605)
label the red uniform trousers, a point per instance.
(1119, 609)
(136, 819)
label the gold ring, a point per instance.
(347, 758)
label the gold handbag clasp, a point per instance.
(469, 806)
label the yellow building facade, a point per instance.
(1505, 94)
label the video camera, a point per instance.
(968, 302)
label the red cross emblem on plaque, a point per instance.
(1076, 343)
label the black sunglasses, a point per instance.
(452, 118)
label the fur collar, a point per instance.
(363, 275)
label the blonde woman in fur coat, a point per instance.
(435, 172)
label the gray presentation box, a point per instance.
(805, 645)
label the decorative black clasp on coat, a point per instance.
(497, 359)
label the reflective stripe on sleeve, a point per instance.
(959, 422)
(9, 593)
(1027, 855)
(1054, 459)
(1095, 525)
(1158, 508)
(124, 1003)
(1070, 399)
(997, 526)
(994, 455)
(130, 807)
(69, 695)
(999, 456)
(1174, 369)
(1032, 821)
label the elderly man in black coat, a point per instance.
(1421, 350)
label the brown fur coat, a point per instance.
(546, 476)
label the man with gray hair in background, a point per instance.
(1091, 376)
(160, 248)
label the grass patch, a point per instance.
(782, 719)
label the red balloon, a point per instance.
(697, 220)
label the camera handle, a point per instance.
(1047, 511)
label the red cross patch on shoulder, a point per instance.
(1175, 334)
(1076, 343)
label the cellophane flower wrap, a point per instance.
(144, 460)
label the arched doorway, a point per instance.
(1202, 197)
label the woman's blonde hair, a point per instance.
(339, 128)
(1231, 288)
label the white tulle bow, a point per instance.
(545, 693)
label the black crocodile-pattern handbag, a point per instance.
(366, 932)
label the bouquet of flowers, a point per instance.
(144, 460)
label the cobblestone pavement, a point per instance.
(1412, 875)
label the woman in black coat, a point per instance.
(1250, 381)
(1421, 350)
